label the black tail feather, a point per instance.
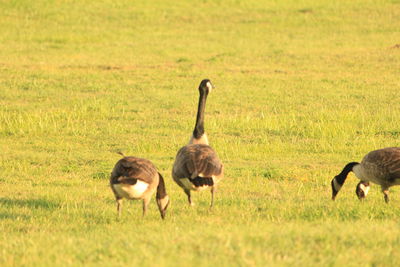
(202, 181)
(122, 154)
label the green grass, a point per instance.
(303, 87)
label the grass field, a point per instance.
(302, 88)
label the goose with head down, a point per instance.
(137, 178)
(380, 167)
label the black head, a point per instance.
(362, 190)
(338, 180)
(206, 86)
(335, 187)
(163, 204)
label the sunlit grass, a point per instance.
(302, 88)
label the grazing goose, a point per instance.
(136, 178)
(381, 167)
(197, 165)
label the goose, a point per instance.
(137, 178)
(197, 166)
(380, 166)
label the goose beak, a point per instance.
(163, 214)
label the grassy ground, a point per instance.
(303, 87)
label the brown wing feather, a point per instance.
(386, 162)
(196, 159)
(129, 168)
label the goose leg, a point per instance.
(189, 197)
(213, 189)
(119, 206)
(146, 202)
(385, 192)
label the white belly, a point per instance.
(131, 191)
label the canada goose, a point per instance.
(197, 165)
(381, 167)
(136, 178)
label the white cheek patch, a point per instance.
(163, 201)
(336, 185)
(209, 86)
(365, 189)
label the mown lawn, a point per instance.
(302, 88)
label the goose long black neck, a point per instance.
(341, 177)
(199, 127)
(161, 191)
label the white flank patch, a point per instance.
(336, 185)
(131, 191)
(365, 189)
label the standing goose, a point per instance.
(197, 165)
(136, 178)
(381, 167)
